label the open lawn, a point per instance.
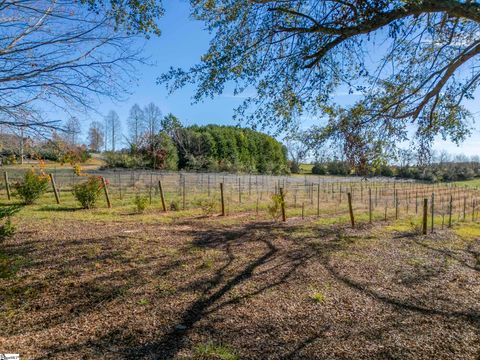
(306, 168)
(182, 285)
(470, 183)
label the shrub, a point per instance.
(7, 229)
(141, 202)
(294, 167)
(275, 209)
(207, 205)
(174, 206)
(87, 193)
(319, 169)
(123, 160)
(317, 297)
(32, 186)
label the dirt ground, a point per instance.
(202, 288)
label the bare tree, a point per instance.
(153, 118)
(136, 125)
(72, 130)
(60, 53)
(297, 149)
(95, 136)
(113, 130)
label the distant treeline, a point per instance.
(436, 172)
(205, 148)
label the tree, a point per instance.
(113, 130)
(297, 150)
(95, 136)
(296, 53)
(136, 125)
(59, 53)
(170, 123)
(153, 117)
(72, 130)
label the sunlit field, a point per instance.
(190, 283)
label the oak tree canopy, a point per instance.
(413, 62)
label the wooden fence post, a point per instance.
(396, 204)
(105, 189)
(425, 215)
(7, 185)
(318, 200)
(473, 209)
(222, 199)
(183, 194)
(450, 210)
(282, 199)
(54, 186)
(239, 191)
(352, 220)
(160, 188)
(370, 204)
(433, 210)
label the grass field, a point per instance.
(470, 183)
(306, 168)
(117, 284)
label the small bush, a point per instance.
(141, 203)
(174, 206)
(7, 229)
(317, 297)
(319, 169)
(87, 193)
(275, 209)
(31, 187)
(207, 205)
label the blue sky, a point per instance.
(182, 42)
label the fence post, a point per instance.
(425, 215)
(222, 199)
(450, 210)
(303, 210)
(105, 189)
(474, 203)
(7, 185)
(433, 210)
(352, 220)
(239, 191)
(160, 188)
(318, 200)
(54, 186)
(396, 204)
(370, 204)
(282, 199)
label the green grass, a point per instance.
(317, 297)
(212, 351)
(306, 168)
(10, 265)
(470, 183)
(468, 231)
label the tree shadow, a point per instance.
(265, 254)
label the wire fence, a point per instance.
(371, 199)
